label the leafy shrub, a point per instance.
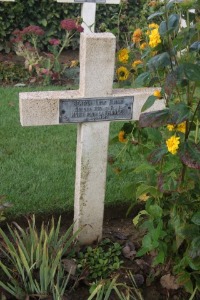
(47, 14)
(34, 260)
(167, 140)
(100, 261)
(11, 72)
(46, 66)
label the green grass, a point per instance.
(37, 164)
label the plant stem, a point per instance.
(192, 120)
(193, 294)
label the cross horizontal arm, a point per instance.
(42, 108)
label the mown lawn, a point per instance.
(37, 164)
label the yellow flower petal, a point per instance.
(123, 55)
(121, 136)
(173, 144)
(157, 94)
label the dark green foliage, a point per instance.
(101, 261)
(49, 13)
(10, 72)
(44, 13)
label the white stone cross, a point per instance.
(88, 11)
(97, 62)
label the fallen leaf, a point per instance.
(168, 282)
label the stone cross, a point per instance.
(93, 102)
(88, 11)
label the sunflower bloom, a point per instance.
(143, 46)
(122, 73)
(173, 144)
(154, 38)
(123, 55)
(137, 36)
(157, 94)
(182, 127)
(136, 62)
(121, 136)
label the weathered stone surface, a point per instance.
(97, 60)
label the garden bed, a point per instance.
(119, 229)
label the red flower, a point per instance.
(17, 32)
(80, 28)
(18, 39)
(68, 24)
(33, 29)
(54, 42)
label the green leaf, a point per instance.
(173, 22)
(155, 211)
(160, 258)
(147, 242)
(144, 188)
(159, 61)
(157, 155)
(154, 134)
(195, 46)
(190, 231)
(143, 79)
(43, 22)
(184, 279)
(137, 218)
(196, 218)
(179, 112)
(192, 71)
(154, 119)
(149, 102)
(143, 167)
(171, 25)
(189, 154)
(156, 14)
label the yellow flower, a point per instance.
(182, 127)
(143, 46)
(153, 26)
(157, 94)
(136, 62)
(137, 35)
(122, 73)
(170, 127)
(121, 136)
(173, 144)
(154, 38)
(144, 197)
(123, 55)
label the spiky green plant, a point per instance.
(34, 260)
(103, 290)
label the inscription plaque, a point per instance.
(95, 109)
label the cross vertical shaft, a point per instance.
(97, 58)
(88, 13)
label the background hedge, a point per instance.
(49, 13)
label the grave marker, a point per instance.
(97, 61)
(88, 11)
